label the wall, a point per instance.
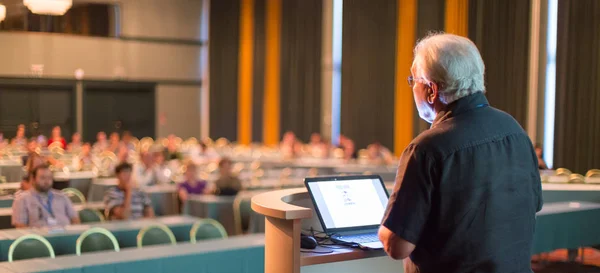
(161, 43)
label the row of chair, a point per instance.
(100, 239)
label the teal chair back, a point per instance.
(75, 195)
(30, 246)
(96, 239)
(90, 216)
(241, 213)
(207, 229)
(155, 235)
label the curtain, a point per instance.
(301, 67)
(577, 126)
(368, 71)
(224, 45)
(259, 71)
(500, 29)
(430, 18)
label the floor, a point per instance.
(557, 262)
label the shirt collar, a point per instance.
(465, 104)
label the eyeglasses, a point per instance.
(412, 80)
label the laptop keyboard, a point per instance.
(360, 238)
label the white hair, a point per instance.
(453, 62)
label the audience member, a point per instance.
(172, 149)
(56, 138)
(34, 160)
(125, 202)
(115, 142)
(19, 140)
(290, 146)
(377, 153)
(101, 143)
(163, 173)
(85, 157)
(76, 144)
(42, 141)
(316, 147)
(43, 206)
(191, 185)
(227, 184)
(32, 146)
(347, 145)
(24, 186)
(539, 152)
(127, 140)
(144, 173)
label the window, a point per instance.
(550, 92)
(87, 19)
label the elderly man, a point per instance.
(467, 189)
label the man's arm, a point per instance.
(116, 208)
(71, 212)
(409, 205)
(20, 218)
(396, 247)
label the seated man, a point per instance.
(41, 205)
(124, 201)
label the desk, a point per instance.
(13, 171)
(567, 225)
(6, 213)
(164, 197)
(284, 210)
(243, 254)
(553, 193)
(125, 232)
(219, 208)
(78, 180)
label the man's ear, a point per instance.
(432, 92)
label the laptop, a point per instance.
(350, 208)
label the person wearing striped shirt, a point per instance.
(125, 202)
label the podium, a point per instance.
(290, 212)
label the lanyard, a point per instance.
(48, 205)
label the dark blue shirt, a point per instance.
(467, 191)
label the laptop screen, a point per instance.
(349, 203)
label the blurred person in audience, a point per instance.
(85, 158)
(127, 140)
(101, 143)
(163, 172)
(290, 146)
(144, 173)
(123, 154)
(42, 141)
(191, 185)
(25, 185)
(75, 144)
(379, 154)
(347, 145)
(35, 160)
(227, 184)
(316, 147)
(19, 140)
(114, 143)
(3, 141)
(43, 206)
(172, 150)
(56, 137)
(32, 147)
(467, 189)
(539, 152)
(125, 201)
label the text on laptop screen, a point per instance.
(350, 203)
